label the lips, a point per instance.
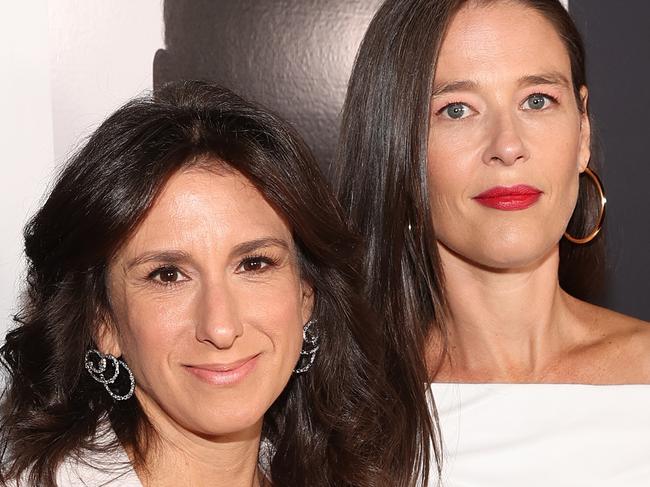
(510, 198)
(224, 373)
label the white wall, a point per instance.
(26, 145)
(66, 65)
(101, 54)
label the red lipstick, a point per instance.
(510, 198)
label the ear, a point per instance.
(107, 338)
(307, 301)
(584, 151)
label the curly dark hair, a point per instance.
(340, 424)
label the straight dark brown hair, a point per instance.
(381, 180)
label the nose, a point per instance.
(506, 146)
(218, 321)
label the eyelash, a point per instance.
(268, 260)
(265, 259)
(450, 104)
(546, 95)
(151, 277)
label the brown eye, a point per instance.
(253, 265)
(168, 275)
(256, 264)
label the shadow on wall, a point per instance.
(292, 56)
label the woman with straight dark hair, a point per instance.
(192, 294)
(465, 161)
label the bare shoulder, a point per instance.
(620, 341)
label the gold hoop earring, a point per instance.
(601, 214)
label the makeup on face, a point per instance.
(509, 198)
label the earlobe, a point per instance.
(584, 154)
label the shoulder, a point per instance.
(108, 465)
(84, 472)
(87, 470)
(621, 342)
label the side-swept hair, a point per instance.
(381, 181)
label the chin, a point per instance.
(506, 251)
(518, 255)
(219, 423)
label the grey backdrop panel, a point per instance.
(295, 56)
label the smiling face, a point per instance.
(507, 141)
(209, 305)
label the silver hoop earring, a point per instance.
(106, 370)
(309, 347)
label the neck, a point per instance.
(180, 457)
(503, 325)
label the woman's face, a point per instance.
(507, 141)
(209, 305)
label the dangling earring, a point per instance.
(309, 347)
(601, 214)
(101, 374)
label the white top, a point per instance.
(96, 471)
(515, 435)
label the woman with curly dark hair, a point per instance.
(192, 317)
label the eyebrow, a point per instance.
(176, 256)
(171, 256)
(453, 86)
(259, 243)
(550, 78)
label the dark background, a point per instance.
(618, 60)
(295, 56)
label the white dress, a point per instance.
(528, 435)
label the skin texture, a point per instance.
(209, 277)
(504, 113)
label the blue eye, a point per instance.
(456, 110)
(537, 102)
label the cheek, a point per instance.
(566, 196)
(561, 162)
(452, 159)
(151, 329)
(277, 313)
(448, 180)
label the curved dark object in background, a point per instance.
(295, 57)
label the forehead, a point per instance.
(200, 207)
(500, 39)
